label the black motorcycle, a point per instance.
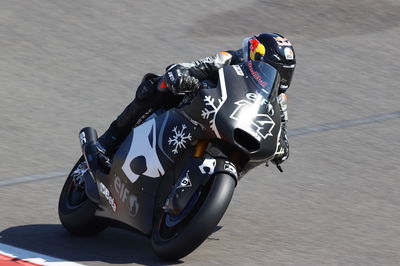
(173, 177)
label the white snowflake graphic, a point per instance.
(179, 139)
(205, 113)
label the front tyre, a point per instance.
(172, 242)
(75, 210)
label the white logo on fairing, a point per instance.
(262, 122)
(179, 138)
(125, 196)
(238, 70)
(185, 182)
(208, 163)
(209, 101)
(258, 98)
(104, 190)
(121, 189)
(142, 158)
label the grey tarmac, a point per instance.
(69, 64)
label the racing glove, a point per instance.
(180, 81)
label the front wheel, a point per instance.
(172, 241)
(75, 210)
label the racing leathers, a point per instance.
(155, 92)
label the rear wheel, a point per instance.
(75, 210)
(175, 237)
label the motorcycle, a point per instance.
(173, 177)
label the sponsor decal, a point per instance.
(256, 75)
(133, 205)
(256, 98)
(238, 70)
(104, 190)
(208, 59)
(256, 48)
(263, 122)
(179, 139)
(185, 182)
(230, 167)
(211, 108)
(121, 189)
(282, 41)
(142, 158)
(82, 137)
(171, 76)
(125, 196)
(208, 166)
(288, 53)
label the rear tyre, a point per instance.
(76, 211)
(173, 241)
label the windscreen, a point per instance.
(263, 76)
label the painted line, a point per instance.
(10, 255)
(30, 178)
(292, 133)
(344, 124)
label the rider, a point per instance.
(165, 91)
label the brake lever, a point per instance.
(277, 166)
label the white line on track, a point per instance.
(344, 124)
(29, 178)
(292, 133)
(19, 256)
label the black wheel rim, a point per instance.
(76, 196)
(170, 226)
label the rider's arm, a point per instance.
(179, 77)
(203, 68)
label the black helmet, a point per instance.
(275, 50)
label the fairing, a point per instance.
(242, 109)
(149, 151)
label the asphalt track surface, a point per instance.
(68, 64)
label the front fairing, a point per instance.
(243, 109)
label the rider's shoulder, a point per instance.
(236, 56)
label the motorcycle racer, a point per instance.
(155, 92)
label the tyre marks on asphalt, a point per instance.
(292, 133)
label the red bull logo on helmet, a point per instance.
(282, 41)
(256, 48)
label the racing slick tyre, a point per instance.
(174, 240)
(75, 210)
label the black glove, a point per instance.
(179, 80)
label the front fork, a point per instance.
(195, 175)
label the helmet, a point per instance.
(275, 50)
